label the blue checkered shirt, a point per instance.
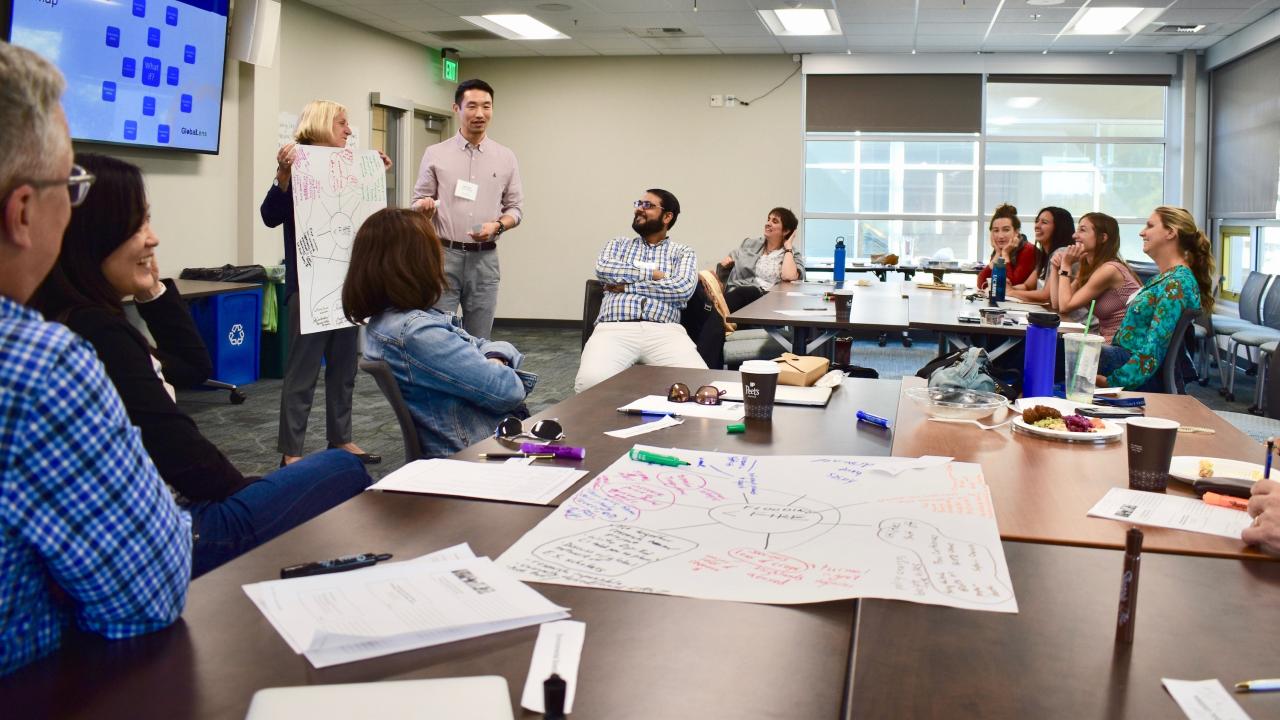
(624, 260)
(88, 531)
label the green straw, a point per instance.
(1087, 322)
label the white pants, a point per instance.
(616, 346)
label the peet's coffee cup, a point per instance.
(843, 300)
(759, 385)
(1150, 444)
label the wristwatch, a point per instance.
(501, 228)
(1065, 273)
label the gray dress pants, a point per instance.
(338, 349)
(471, 280)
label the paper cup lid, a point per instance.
(759, 367)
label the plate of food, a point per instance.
(1048, 422)
(1190, 468)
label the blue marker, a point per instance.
(864, 416)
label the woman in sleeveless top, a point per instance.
(1103, 275)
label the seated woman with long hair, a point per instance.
(109, 253)
(1053, 230)
(1020, 257)
(1184, 259)
(1104, 277)
(743, 276)
(458, 387)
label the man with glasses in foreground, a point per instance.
(647, 282)
(87, 529)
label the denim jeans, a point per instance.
(280, 501)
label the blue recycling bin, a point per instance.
(231, 325)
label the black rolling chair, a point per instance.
(592, 296)
(382, 375)
(1172, 378)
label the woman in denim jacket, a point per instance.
(457, 387)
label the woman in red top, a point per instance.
(1020, 259)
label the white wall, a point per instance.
(205, 207)
(592, 134)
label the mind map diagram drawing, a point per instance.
(778, 530)
(334, 191)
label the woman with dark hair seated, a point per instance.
(108, 253)
(1184, 258)
(458, 387)
(1053, 228)
(1103, 277)
(742, 277)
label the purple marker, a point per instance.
(565, 452)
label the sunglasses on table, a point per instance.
(705, 395)
(512, 428)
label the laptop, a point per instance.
(786, 394)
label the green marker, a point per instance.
(656, 459)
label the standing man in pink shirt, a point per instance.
(470, 185)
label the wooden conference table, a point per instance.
(652, 656)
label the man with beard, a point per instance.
(647, 281)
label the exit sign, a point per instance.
(449, 69)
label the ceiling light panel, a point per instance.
(800, 22)
(516, 27)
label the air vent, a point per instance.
(663, 32)
(1179, 29)
(465, 35)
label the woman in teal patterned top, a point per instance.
(1183, 257)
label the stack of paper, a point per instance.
(393, 607)
(512, 482)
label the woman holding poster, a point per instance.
(323, 123)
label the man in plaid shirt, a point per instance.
(647, 282)
(88, 532)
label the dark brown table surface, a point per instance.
(1198, 618)
(192, 289)
(795, 429)
(1042, 489)
(646, 656)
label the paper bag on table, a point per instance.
(801, 370)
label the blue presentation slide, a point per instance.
(139, 72)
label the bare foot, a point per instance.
(289, 459)
(351, 448)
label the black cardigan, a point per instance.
(185, 459)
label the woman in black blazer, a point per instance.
(108, 253)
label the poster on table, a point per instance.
(779, 530)
(334, 191)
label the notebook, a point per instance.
(466, 698)
(786, 394)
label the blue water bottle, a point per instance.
(997, 280)
(1042, 351)
(837, 266)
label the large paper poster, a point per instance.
(778, 530)
(334, 191)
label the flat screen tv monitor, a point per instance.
(144, 73)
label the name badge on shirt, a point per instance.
(466, 190)
(646, 265)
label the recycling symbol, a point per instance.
(236, 336)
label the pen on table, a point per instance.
(1128, 612)
(1226, 501)
(633, 411)
(656, 458)
(324, 567)
(864, 416)
(1271, 444)
(509, 455)
(553, 692)
(1258, 685)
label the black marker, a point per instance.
(324, 567)
(553, 691)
